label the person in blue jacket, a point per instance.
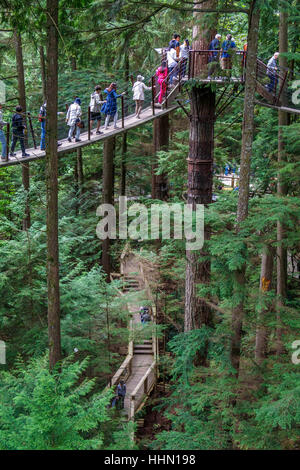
(227, 51)
(110, 108)
(18, 128)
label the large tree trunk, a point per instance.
(200, 168)
(22, 101)
(247, 141)
(52, 184)
(161, 131)
(283, 120)
(107, 195)
(265, 286)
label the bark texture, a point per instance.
(161, 132)
(265, 286)
(283, 120)
(52, 185)
(22, 101)
(200, 168)
(247, 142)
(108, 195)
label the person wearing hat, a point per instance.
(138, 89)
(73, 118)
(110, 108)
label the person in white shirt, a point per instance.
(184, 56)
(73, 118)
(172, 62)
(138, 89)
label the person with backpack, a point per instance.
(73, 119)
(110, 108)
(18, 128)
(2, 135)
(138, 89)
(121, 392)
(228, 48)
(95, 107)
(213, 56)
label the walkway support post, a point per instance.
(32, 130)
(123, 117)
(153, 94)
(7, 140)
(89, 123)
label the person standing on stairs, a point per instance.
(162, 73)
(18, 128)
(110, 108)
(138, 89)
(73, 119)
(121, 391)
(184, 56)
(176, 43)
(2, 135)
(95, 106)
(272, 69)
(172, 62)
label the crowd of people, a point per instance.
(174, 62)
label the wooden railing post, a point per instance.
(282, 87)
(190, 61)
(7, 140)
(89, 123)
(167, 89)
(132, 406)
(146, 386)
(122, 102)
(153, 94)
(179, 79)
(32, 130)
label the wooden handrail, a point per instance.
(146, 386)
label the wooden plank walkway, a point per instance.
(130, 122)
(141, 361)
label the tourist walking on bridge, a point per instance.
(2, 135)
(18, 128)
(73, 119)
(138, 89)
(95, 107)
(110, 108)
(272, 69)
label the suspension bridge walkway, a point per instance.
(279, 97)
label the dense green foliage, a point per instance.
(207, 406)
